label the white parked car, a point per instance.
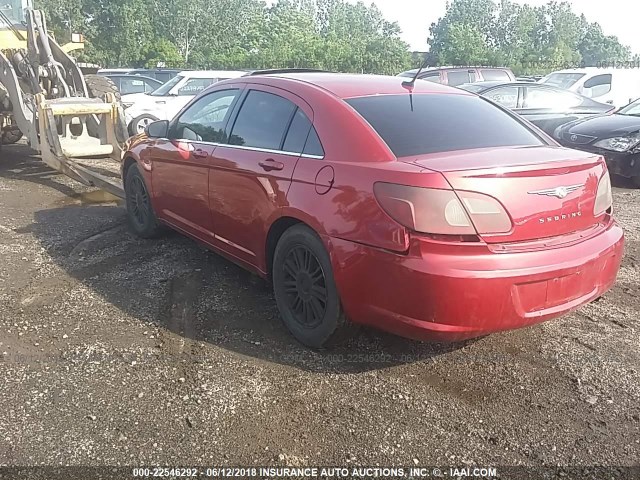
(615, 86)
(141, 109)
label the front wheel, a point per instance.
(305, 289)
(140, 212)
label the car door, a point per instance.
(251, 174)
(548, 108)
(181, 163)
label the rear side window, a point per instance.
(544, 98)
(262, 121)
(441, 123)
(313, 145)
(432, 77)
(132, 85)
(455, 78)
(302, 137)
(163, 77)
(298, 133)
(495, 75)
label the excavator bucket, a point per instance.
(82, 138)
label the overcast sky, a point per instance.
(617, 17)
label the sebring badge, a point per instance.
(560, 192)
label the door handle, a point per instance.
(200, 153)
(270, 164)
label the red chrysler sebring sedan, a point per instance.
(419, 209)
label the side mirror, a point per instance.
(159, 129)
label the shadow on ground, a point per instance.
(181, 287)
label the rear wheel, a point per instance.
(636, 181)
(10, 135)
(140, 212)
(98, 86)
(305, 288)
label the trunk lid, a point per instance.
(547, 191)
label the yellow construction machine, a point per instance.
(74, 121)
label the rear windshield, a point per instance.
(562, 80)
(441, 123)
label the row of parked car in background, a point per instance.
(591, 109)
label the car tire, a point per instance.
(142, 218)
(305, 289)
(10, 135)
(636, 181)
(141, 121)
(98, 86)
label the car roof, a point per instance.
(451, 67)
(348, 85)
(497, 83)
(212, 73)
(490, 83)
(124, 75)
(586, 70)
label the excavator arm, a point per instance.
(45, 95)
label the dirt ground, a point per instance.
(121, 351)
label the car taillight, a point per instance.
(442, 212)
(487, 214)
(604, 197)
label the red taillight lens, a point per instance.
(442, 212)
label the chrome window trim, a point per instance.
(253, 149)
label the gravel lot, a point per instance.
(119, 351)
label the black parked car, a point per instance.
(616, 137)
(134, 83)
(545, 106)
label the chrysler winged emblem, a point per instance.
(560, 192)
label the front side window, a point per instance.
(262, 121)
(433, 123)
(205, 120)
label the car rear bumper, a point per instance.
(455, 292)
